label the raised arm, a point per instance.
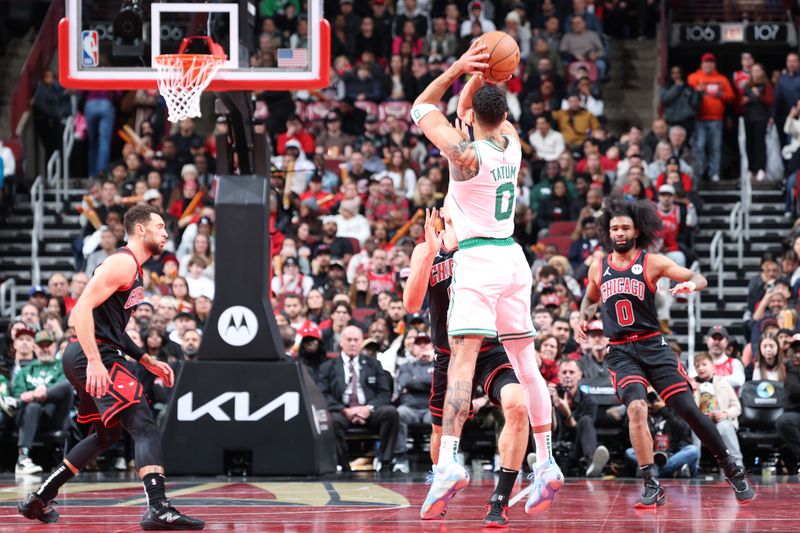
(421, 262)
(449, 140)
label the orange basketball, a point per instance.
(503, 55)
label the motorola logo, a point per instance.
(237, 325)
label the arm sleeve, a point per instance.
(132, 349)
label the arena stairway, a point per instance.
(55, 252)
(768, 228)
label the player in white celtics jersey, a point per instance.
(491, 284)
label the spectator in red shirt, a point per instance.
(673, 165)
(717, 92)
(295, 130)
(385, 203)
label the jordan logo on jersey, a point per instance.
(441, 271)
(614, 286)
(136, 296)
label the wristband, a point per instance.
(419, 111)
(693, 284)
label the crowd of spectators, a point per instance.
(349, 183)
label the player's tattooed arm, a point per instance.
(464, 159)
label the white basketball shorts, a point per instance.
(490, 292)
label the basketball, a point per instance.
(503, 55)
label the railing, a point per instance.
(37, 231)
(718, 260)
(68, 140)
(736, 230)
(694, 304)
(54, 179)
(746, 186)
(8, 298)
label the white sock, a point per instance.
(544, 446)
(448, 449)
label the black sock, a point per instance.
(154, 489)
(649, 472)
(57, 478)
(505, 483)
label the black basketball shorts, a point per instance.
(125, 389)
(647, 360)
(493, 371)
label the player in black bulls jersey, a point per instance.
(431, 270)
(110, 396)
(623, 285)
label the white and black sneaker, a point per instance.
(167, 518)
(25, 466)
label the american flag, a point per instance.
(292, 57)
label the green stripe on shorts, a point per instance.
(484, 241)
(472, 331)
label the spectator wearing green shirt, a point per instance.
(45, 398)
(544, 187)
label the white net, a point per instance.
(182, 78)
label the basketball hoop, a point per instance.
(183, 77)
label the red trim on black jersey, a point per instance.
(126, 250)
(633, 261)
(644, 273)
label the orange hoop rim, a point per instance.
(189, 58)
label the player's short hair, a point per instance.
(138, 214)
(490, 106)
(641, 212)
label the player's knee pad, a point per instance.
(634, 391)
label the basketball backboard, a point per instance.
(112, 44)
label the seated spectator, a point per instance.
(201, 247)
(519, 33)
(770, 364)
(291, 280)
(22, 347)
(190, 343)
(560, 329)
(184, 321)
(717, 400)
(788, 425)
(556, 207)
(413, 383)
(196, 280)
(662, 156)
(340, 247)
(576, 414)
(542, 320)
(299, 170)
(108, 243)
(295, 131)
(341, 317)
(575, 122)
(440, 44)
(773, 306)
(38, 296)
(592, 103)
(408, 34)
(593, 362)
(583, 45)
(333, 141)
(362, 85)
(476, 15)
(358, 393)
(584, 246)
(683, 183)
(403, 177)
(384, 203)
(549, 355)
(725, 368)
(658, 134)
(45, 398)
(672, 440)
(769, 275)
(293, 309)
(547, 142)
